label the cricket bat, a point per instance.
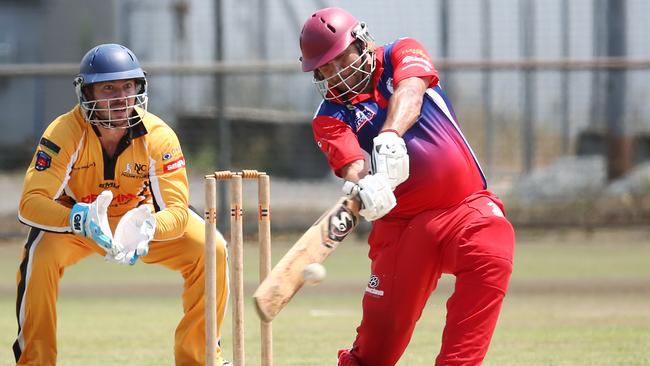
(314, 246)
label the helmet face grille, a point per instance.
(338, 88)
(105, 112)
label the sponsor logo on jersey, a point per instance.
(87, 166)
(414, 51)
(174, 165)
(373, 283)
(411, 61)
(109, 185)
(118, 199)
(43, 161)
(170, 154)
(131, 175)
(51, 146)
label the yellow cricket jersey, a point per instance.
(70, 166)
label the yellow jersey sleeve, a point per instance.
(47, 176)
(169, 183)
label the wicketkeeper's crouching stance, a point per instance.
(109, 178)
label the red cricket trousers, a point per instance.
(474, 242)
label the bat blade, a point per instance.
(314, 246)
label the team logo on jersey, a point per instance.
(373, 283)
(135, 170)
(363, 115)
(43, 161)
(415, 51)
(174, 165)
(140, 168)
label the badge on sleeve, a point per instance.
(51, 146)
(43, 161)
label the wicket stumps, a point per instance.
(236, 262)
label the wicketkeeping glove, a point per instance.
(91, 220)
(389, 157)
(132, 235)
(377, 197)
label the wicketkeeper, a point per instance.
(109, 178)
(425, 193)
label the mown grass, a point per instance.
(575, 299)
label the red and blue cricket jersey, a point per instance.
(443, 168)
(445, 220)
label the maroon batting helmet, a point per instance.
(326, 34)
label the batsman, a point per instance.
(423, 191)
(109, 178)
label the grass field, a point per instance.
(575, 299)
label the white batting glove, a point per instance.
(389, 157)
(132, 236)
(376, 195)
(91, 220)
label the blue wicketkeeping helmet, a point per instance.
(110, 62)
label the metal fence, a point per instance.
(529, 79)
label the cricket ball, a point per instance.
(313, 274)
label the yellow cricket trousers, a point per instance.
(47, 254)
